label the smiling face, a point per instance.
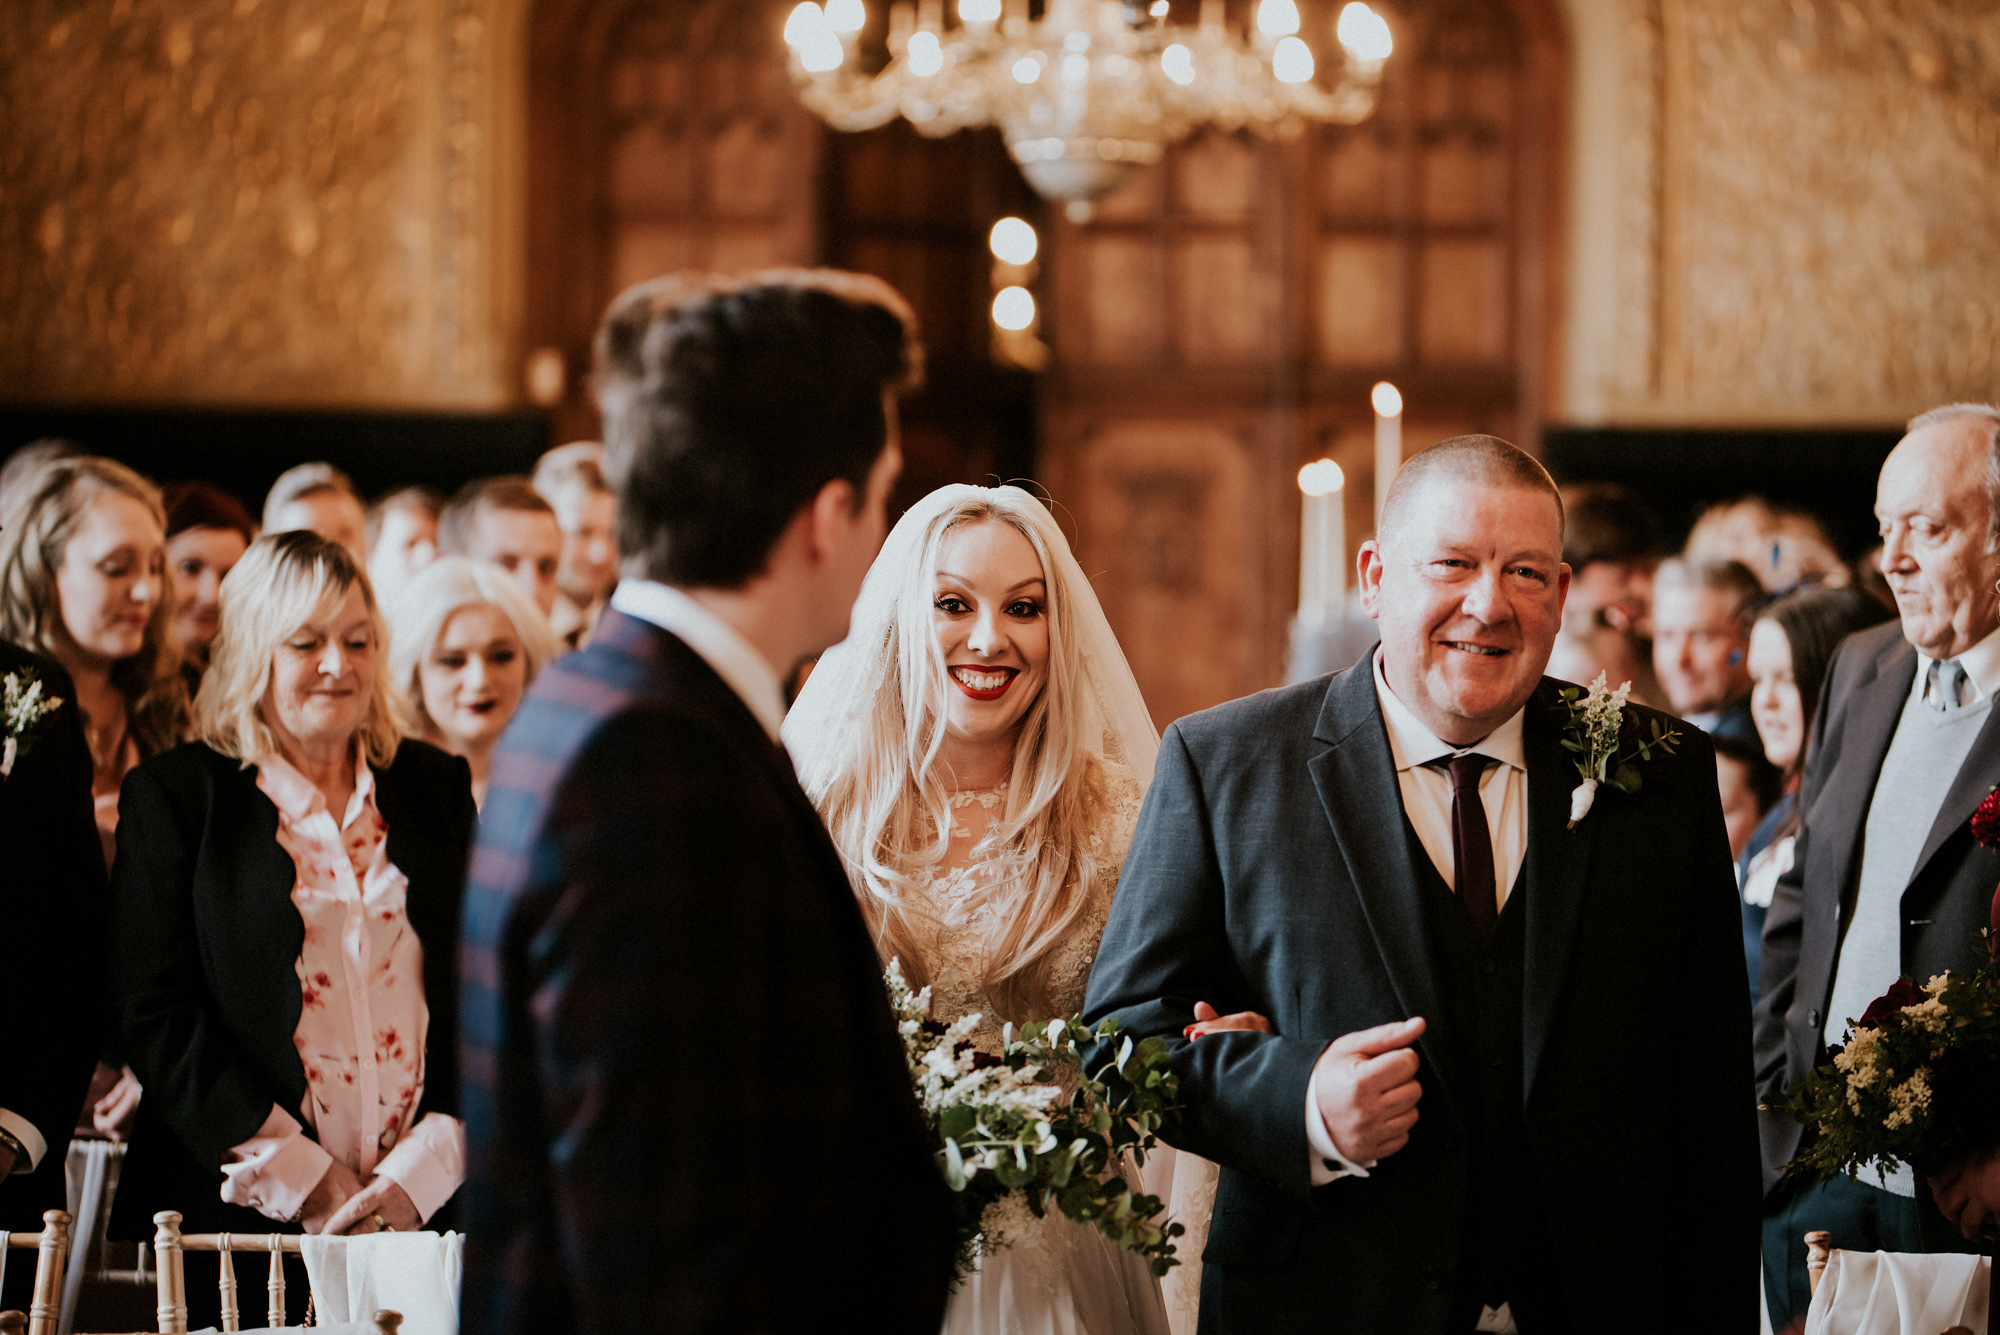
(1468, 587)
(1775, 704)
(200, 558)
(113, 573)
(322, 675)
(472, 679)
(990, 608)
(1930, 506)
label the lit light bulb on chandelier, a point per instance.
(1014, 309)
(1013, 241)
(1277, 18)
(1364, 32)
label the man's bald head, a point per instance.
(1486, 460)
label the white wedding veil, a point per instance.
(829, 722)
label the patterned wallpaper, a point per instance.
(247, 201)
(1808, 221)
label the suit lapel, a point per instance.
(1553, 876)
(1879, 695)
(1355, 774)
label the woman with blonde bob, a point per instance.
(979, 750)
(284, 925)
(466, 641)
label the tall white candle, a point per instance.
(1322, 543)
(1388, 403)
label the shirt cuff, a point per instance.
(275, 1170)
(1325, 1161)
(429, 1163)
(23, 1130)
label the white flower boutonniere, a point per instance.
(1607, 752)
(23, 708)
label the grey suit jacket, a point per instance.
(1947, 900)
(1272, 871)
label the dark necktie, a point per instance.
(1471, 841)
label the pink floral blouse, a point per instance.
(363, 1020)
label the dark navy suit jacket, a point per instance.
(1272, 871)
(686, 1104)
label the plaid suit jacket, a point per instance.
(685, 1100)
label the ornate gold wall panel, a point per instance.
(1808, 225)
(251, 201)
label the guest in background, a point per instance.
(30, 457)
(1611, 543)
(1887, 880)
(1749, 785)
(51, 918)
(283, 940)
(505, 521)
(319, 498)
(208, 531)
(83, 580)
(1701, 642)
(1791, 645)
(571, 479)
(465, 641)
(1783, 546)
(402, 537)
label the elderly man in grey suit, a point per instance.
(1383, 862)
(1887, 880)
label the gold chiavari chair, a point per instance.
(170, 1245)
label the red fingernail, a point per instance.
(1188, 1032)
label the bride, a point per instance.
(979, 749)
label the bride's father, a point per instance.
(1509, 1087)
(685, 1101)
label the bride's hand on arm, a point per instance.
(1206, 1021)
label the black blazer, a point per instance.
(51, 918)
(686, 1104)
(1947, 901)
(204, 943)
(1272, 870)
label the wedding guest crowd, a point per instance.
(288, 776)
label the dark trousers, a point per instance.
(1860, 1218)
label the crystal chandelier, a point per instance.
(1091, 92)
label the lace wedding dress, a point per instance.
(1057, 1277)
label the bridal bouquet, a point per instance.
(1011, 1140)
(1916, 1081)
(23, 709)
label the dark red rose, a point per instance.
(1887, 1008)
(1986, 821)
(982, 1061)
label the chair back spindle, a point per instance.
(173, 1312)
(274, 1285)
(45, 1308)
(225, 1285)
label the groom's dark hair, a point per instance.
(1486, 459)
(730, 402)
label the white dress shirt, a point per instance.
(742, 668)
(1426, 793)
(1982, 671)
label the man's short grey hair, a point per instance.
(1979, 412)
(1486, 459)
(1732, 579)
(300, 481)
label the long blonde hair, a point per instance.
(38, 517)
(888, 805)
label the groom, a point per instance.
(1509, 1084)
(685, 1100)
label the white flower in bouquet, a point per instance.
(22, 709)
(1593, 733)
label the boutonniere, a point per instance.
(1608, 748)
(23, 709)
